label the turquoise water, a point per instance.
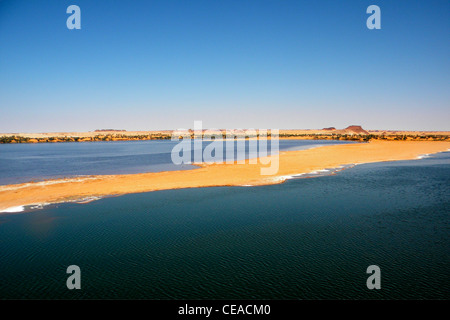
(304, 239)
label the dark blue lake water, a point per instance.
(304, 239)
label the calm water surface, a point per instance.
(304, 239)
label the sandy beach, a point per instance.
(209, 175)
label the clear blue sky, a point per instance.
(144, 65)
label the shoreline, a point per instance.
(352, 133)
(291, 163)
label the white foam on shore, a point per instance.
(314, 173)
(40, 206)
(319, 171)
(85, 199)
(289, 177)
(44, 183)
(424, 156)
(13, 209)
(283, 178)
(297, 175)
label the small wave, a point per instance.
(288, 177)
(85, 200)
(297, 175)
(282, 178)
(40, 206)
(44, 183)
(424, 156)
(314, 173)
(319, 171)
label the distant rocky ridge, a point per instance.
(354, 129)
(353, 132)
(109, 130)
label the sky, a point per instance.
(152, 65)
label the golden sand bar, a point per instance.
(209, 175)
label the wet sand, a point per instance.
(209, 175)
